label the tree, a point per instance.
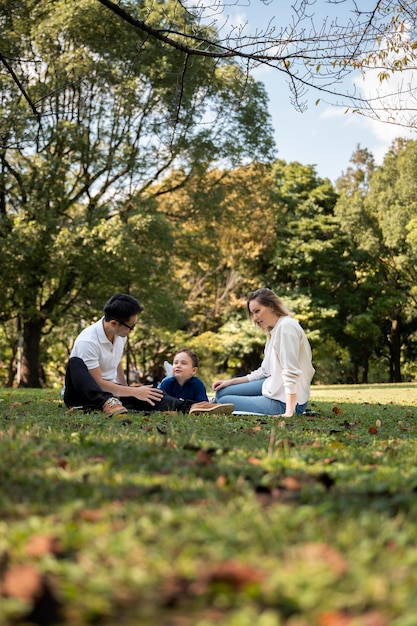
(77, 215)
(306, 264)
(378, 215)
(317, 46)
(223, 223)
(361, 334)
(392, 203)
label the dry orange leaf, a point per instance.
(23, 581)
(91, 515)
(38, 545)
(316, 552)
(291, 483)
(221, 481)
(236, 575)
(334, 618)
(204, 457)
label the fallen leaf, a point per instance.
(39, 545)
(334, 618)
(204, 457)
(322, 552)
(341, 618)
(234, 574)
(91, 515)
(373, 430)
(27, 583)
(63, 463)
(22, 581)
(329, 460)
(291, 483)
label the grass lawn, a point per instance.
(175, 520)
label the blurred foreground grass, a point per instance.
(175, 520)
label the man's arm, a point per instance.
(121, 378)
(146, 393)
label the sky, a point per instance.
(324, 135)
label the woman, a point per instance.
(281, 386)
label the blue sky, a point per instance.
(323, 136)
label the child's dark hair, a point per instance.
(193, 356)
(121, 307)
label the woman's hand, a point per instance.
(220, 384)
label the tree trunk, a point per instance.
(395, 351)
(365, 369)
(30, 368)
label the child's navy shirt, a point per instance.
(193, 389)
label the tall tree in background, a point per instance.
(226, 222)
(307, 265)
(379, 215)
(113, 115)
(362, 333)
(392, 202)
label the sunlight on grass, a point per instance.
(400, 393)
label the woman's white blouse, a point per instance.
(287, 363)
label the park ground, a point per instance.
(180, 520)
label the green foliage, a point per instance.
(123, 185)
(377, 216)
(182, 519)
(118, 112)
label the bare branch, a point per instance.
(20, 86)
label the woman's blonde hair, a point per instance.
(267, 297)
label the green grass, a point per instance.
(179, 520)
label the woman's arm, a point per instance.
(290, 403)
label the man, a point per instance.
(95, 378)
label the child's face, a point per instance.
(182, 367)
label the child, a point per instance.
(183, 383)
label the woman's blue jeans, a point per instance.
(248, 397)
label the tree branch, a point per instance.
(20, 86)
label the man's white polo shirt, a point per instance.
(93, 347)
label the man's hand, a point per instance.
(147, 393)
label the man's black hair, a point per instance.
(121, 307)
